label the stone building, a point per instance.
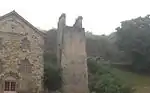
(21, 55)
(71, 54)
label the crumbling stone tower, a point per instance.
(71, 54)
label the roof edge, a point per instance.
(24, 20)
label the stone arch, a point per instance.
(15, 75)
(11, 77)
(10, 73)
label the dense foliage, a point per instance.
(133, 38)
(102, 80)
(52, 77)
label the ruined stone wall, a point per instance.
(73, 59)
(20, 42)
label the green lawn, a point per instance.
(140, 82)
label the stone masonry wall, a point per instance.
(20, 42)
(73, 58)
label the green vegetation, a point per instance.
(103, 80)
(52, 77)
(131, 81)
(140, 83)
(133, 38)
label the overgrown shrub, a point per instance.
(52, 77)
(102, 80)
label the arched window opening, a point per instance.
(25, 43)
(10, 84)
(25, 66)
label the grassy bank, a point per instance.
(141, 83)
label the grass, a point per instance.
(141, 83)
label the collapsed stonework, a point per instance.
(21, 55)
(71, 54)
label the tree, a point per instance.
(52, 76)
(133, 38)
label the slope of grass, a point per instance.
(141, 83)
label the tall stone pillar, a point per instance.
(73, 58)
(61, 25)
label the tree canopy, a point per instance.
(133, 38)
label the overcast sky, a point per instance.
(99, 16)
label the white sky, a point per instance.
(99, 16)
